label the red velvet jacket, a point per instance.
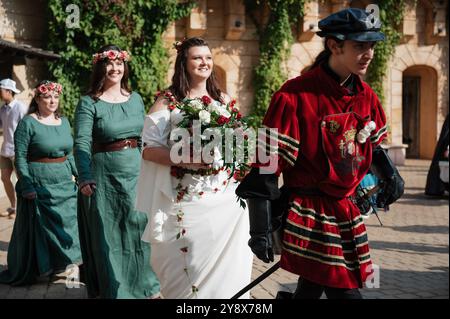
(317, 122)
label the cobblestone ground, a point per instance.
(411, 249)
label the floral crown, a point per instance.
(48, 86)
(111, 55)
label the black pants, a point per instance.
(309, 290)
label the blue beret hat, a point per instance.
(351, 24)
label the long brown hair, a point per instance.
(180, 80)
(34, 108)
(98, 74)
(326, 53)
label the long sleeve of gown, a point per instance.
(84, 122)
(22, 137)
(73, 166)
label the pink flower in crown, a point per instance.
(58, 88)
(52, 86)
(124, 55)
(42, 89)
(111, 54)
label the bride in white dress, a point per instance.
(199, 243)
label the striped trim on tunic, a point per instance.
(321, 238)
(280, 144)
(376, 137)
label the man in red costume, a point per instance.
(329, 125)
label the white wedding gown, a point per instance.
(198, 245)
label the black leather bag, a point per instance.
(392, 185)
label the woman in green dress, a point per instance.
(45, 234)
(108, 124)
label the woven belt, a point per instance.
(115, 146)
(49, 159)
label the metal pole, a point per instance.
(263, 276)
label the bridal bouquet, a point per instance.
(220, 130)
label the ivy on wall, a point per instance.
(391, 15)
(276, 37)
(273, 20)
(134, 25)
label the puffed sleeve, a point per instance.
(22, 138)
(156, 129)
(84, 122)
(278, 148)
(281, 136)
(379, 117)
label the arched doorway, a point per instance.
(419, 111)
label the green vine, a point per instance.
(134, 25)
(275, 39)
(391, 15)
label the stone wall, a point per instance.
(23, 21)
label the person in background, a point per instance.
(10, 115)
(435, 185)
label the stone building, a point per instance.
(22, 33)
(416, 87)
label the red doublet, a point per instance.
(318, 120)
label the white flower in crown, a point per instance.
(196, 105)
(204, 116)
(364, 133)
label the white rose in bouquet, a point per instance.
(218, 108)
(204, 116)
(196, 105)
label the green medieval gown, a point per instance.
(45, 234)
(116, 261)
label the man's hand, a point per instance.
(260, 214)
(262, 247)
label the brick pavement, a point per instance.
(411, 249)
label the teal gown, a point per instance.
(45, 234)
(116, 261)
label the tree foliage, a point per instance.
(275, 40)
(391, 15)
(134, 25)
